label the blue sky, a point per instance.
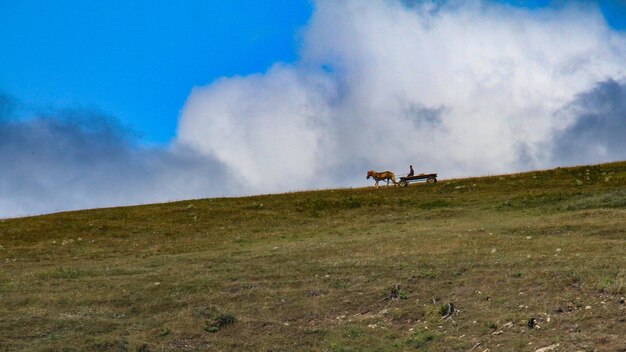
(138, 60)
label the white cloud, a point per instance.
(268, 128)
(464, 89)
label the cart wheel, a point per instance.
(431, 180)
(403, 183)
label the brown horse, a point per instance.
(385, 175)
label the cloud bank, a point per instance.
(78, 159)
(599, 129)
(459, 88)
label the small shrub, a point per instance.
(397, 293)
(164, 332)
(613, 285)
(403, 295)
(339, 285)
(446, 309)
(219, 321)
(421, 338)
(354, 332)
(425, 273)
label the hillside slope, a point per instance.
(318, 270)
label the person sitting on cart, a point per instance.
(411, 173)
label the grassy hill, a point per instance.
(338, 270)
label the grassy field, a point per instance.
(338, 270)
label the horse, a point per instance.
(385, 175)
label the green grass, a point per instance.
(314, 270)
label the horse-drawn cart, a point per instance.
(405, 180)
